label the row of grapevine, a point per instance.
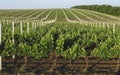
(46, 15)
(105, 15)
(60, 16)
(70, 15)
(34, 15)
(68, 40)
(98, 16)
(52, 16)
(81, 15)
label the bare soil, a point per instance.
(47, 66)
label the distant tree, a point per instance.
(101, 8)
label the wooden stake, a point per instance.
(7, 22)
(0, 45)
(99, 25)
(108, 25)
(27, 27)
(0, 63)
(96, 25)
(103, 25)
(113, 28)
(33, 26)
(0, 33)
(21, 27)
(42, 23)
(13, 36)
(13, 31)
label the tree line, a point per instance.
(101, 8)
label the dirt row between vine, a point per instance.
(96, 66)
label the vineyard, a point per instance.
(59, 41)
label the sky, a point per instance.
(38, 4)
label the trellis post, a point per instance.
(0, 45)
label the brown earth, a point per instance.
(46, 66)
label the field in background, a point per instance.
(59, 15)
